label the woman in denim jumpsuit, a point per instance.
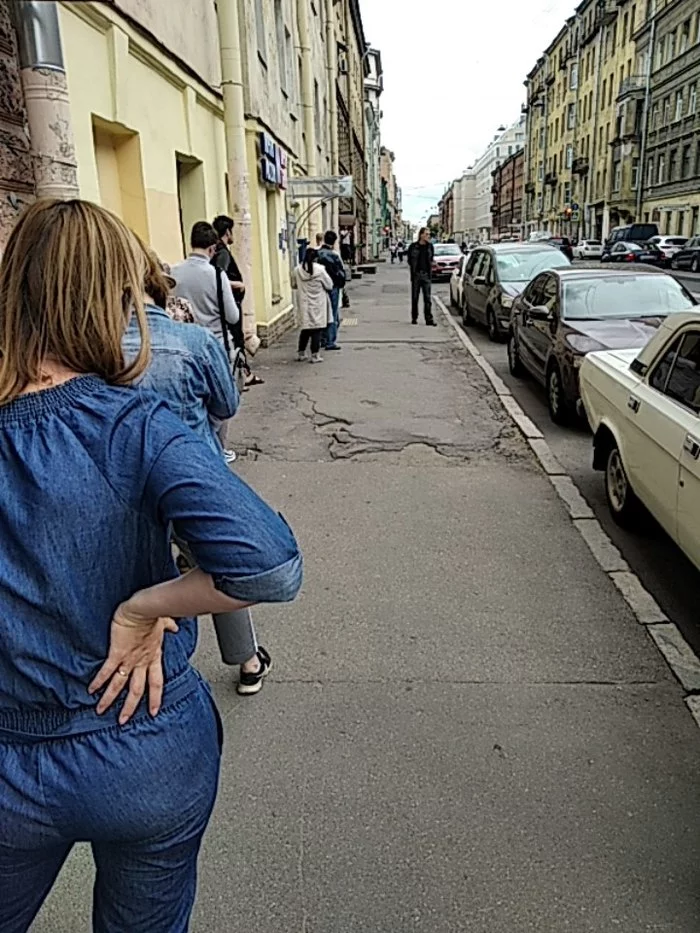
(122, 753)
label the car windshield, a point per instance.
(623, 296)
(447, 249)
(522, 266)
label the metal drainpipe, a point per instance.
(332, 70)
(237, 157)
(307, 104)
(641, 174)
(43, 76)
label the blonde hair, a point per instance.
(70, 277)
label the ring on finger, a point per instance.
(122, 672)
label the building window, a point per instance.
(650, 173)
(634, 176)
(567, 194)
(661, 175)
(541, 137)
(673, 165)
(540, 172)
(571, 116)
(655, 116)
(569, 156)
(684, 41)
(605, 87)
(685, 162)
(679, 106)
(573, 77)
(281, 47)
(667, 112)
(260, 28)
(670, 46)
(692, 99)
(617, 176)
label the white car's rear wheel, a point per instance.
(624, 505)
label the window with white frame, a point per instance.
(693, 99)
(679, 106)
(650, 173)
(634, 176)
(661, 173)
(617, 176)
(569, 156)
(573, 77)
(667, 112)
(571, 116)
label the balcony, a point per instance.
(495, 189)
(530, 187)
(550, 78)
(550, 179)
(634, 85)
(581, 165)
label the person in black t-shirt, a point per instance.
(224, 260)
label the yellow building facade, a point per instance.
(148, 131)
(585, 115)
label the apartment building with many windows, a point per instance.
(670, 180)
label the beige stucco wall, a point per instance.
(152, 110)
(187, 28)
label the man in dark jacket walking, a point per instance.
(420, 262)
(333, 264)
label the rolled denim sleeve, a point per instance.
(249, 549)
(223, 394)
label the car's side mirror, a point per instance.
(539, 313)
(480, 280)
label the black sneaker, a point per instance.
(414, 322)
(431, 323)
(251, 683)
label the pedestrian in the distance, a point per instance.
(223, 259)
(333, 264)
(314, 286)
(401, 250)
(190, 370)
(393, 250)
(209, 294)
(87, 574)
(420, 261)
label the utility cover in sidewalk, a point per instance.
(349, 322)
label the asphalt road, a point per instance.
(663, 568)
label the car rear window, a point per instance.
(624, 296)
(522, 266)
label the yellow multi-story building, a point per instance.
(585, 117)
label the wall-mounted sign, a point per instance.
(331, 186)
(273, 163)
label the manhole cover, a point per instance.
(349, 322)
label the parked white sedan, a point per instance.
(644, 409)
(457, 281)
(588, 249)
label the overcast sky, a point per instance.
(453, 73)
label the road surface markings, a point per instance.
(665, 634)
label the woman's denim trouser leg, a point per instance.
(141, 794)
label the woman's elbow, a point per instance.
(279, 585)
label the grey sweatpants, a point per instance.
(234, 630)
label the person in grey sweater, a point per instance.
(195, 280)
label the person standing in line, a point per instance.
(94, 579)
(224, 260)
(213, 306)
(190, 370)
(333, 264)
(319, 240)
(420, 261)
(314, 286)
(393, 250)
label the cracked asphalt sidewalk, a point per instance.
(465, 728)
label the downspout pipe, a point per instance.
(307, 102)
(237, 156)
(332, 70)
(43, 76)
(641, 173)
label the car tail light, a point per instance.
(629, 257)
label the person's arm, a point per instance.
(231, 311)
(223, 400)
(246, 554)
(340, 270)
(327, 281)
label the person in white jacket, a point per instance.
(314, 286)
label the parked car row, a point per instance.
(620, 343)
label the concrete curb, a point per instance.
(667, 637)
